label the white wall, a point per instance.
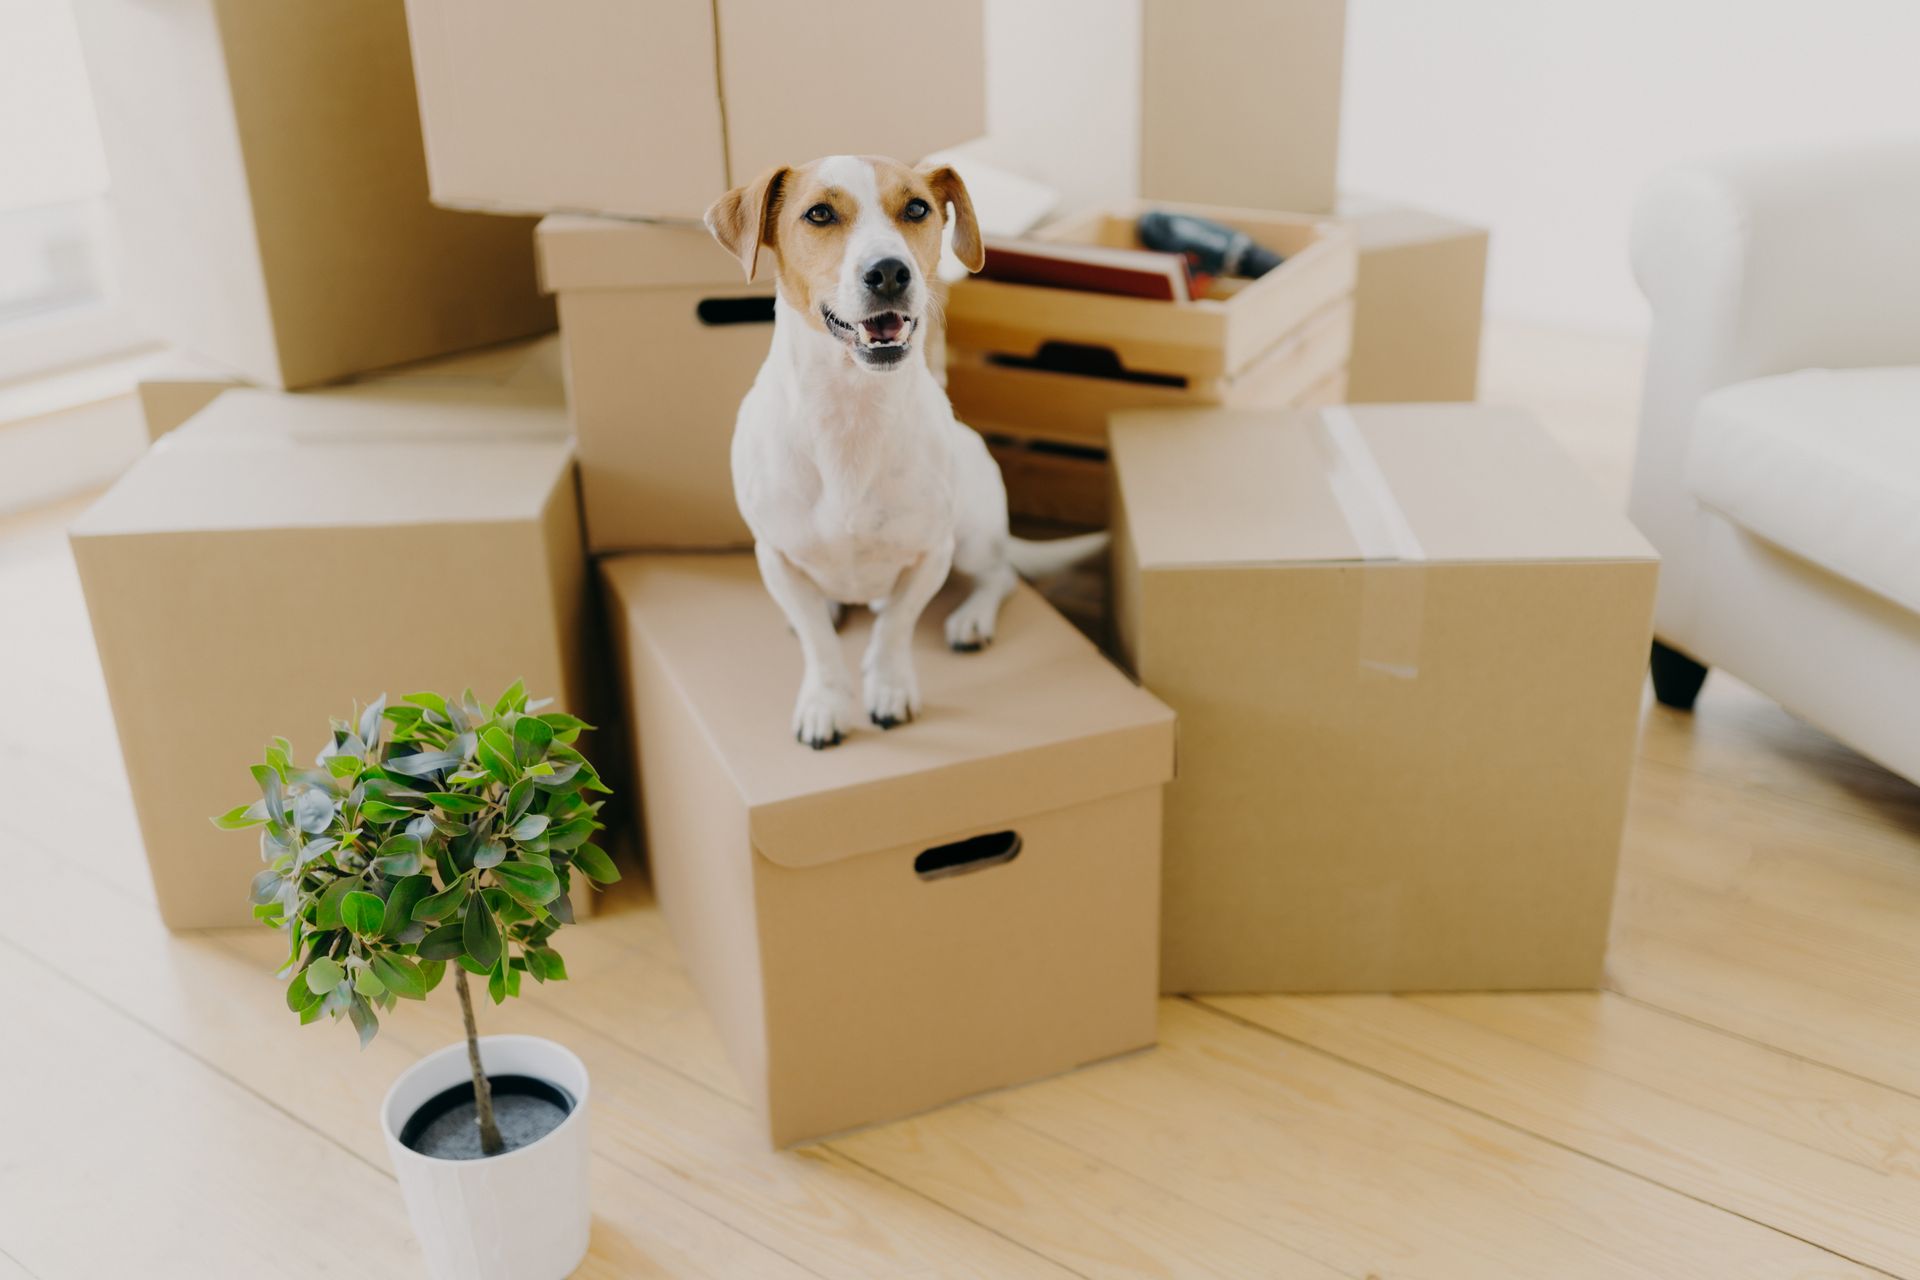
(1540, 118)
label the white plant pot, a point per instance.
(522, 1215)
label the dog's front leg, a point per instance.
(891, 688)
(825, 706)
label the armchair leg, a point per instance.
(1676, 677)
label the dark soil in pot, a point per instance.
(526, 1109)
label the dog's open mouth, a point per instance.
(880, 339)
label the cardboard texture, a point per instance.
(269, 193)
(650, 111)
(222, 569)
(1279, 341)
(182, 385)
(663, 341)
(1240, 102)
(847, 988)
(1417, 303)
(1406, 645)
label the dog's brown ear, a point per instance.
(949, 190)
(742, 219)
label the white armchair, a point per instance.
(1778, 468)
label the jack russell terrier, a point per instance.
(849, 468)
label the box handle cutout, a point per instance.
(1082, 360)
(720, 311)
(976, 853)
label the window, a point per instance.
(57, 302)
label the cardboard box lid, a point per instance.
(359, 456)
(607, 253)
(1439, 482)
(1036, 722)
(1385, 224)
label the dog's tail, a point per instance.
(1038, 559)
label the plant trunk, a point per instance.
(490, 1143)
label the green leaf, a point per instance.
(407, 894)
(323, 975)
(497, 983)
(494, 750)
(531, 884)
(381, 811)
(431, 971)
(362, 912)
(514, 699)
(571, 834)
(456, 801)
(367, 983)
(364, 1021)
(480, 932)
(266, 887)
(519, 799)
(300, 996)
(431, 701)
(593, 860)
(344, 766)
(442, 904)
(327, 916)
(444, 943)
(531, 738)
(555, 966)
(559, 776)
(490, 854)
(566, 728)
(401, 976)
(369, 726)
(529, 827)
(242, 816)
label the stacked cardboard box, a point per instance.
(269, 195)
(1018, 354)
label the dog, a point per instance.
(849, 468)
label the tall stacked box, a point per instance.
(280, 557)
(1019, 355)
(270, 194)
(1406, 645)
(963, 903)
(651, 110)
(663, 339)
(1416, 304)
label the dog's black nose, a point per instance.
(888, 277)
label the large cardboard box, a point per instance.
(279, 557)
(651, 110)
(1406, 646)
(181, 385)
(1417, 303)
(270, 194)
(1039, 370)
(966, 902)
(1240, 102)
(663, 341)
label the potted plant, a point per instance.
(441, 831)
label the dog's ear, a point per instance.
(949, 190)
(742, 219)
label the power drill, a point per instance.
(1211, 248)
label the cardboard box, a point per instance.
(181, 385)
(1406, 645)
(269, 192)
(663, 341)
(1417, 303)
(1278, 341)
(1240, 102)
(651, 111)
(854, 975)
(279, 557)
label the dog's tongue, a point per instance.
(884, 327)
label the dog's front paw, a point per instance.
(821, 716)
(892, 694)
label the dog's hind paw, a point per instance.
(970, 627)
(820, 717)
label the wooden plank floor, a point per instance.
(1742, 1101)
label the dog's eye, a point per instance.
(916, 210)
(820, 215)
